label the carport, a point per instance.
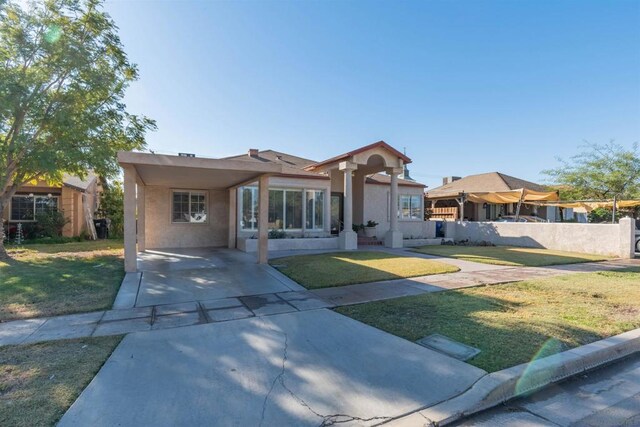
(146, 170)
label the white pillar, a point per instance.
(233, 217)
(263, 219)
(393, 238)
(327, 211)
(348, 238)
(627, 231)
(130, 253)
(304, 212)
(140, 195)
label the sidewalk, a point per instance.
(122, 321)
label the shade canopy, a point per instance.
(514, 196)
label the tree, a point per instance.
(112, 206)
(600, 171)
(63, 76)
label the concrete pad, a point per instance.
(449, 347)
(220, 303)
(233, 313)
(304, 300)
(366, 292)
(131, 313)
(292, 369)
(264, 305)
(16, 331)
(163, 310)
(59, 332)
(126, 297)
(122, 327)
(176, 320)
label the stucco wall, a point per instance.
(602, 239)
(160, 232)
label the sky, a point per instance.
(464, 86)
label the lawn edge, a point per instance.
(501, 386)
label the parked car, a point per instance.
(521, 218)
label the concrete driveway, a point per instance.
(181, 275)
(305, 368)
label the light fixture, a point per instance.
(485, 205)
(49, 195)
(30, 194)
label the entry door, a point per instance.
(337, 212)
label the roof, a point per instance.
(77, 182)
(481, 183)
(382, 144)
(384, 179)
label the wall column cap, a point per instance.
(347, 166)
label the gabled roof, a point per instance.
(481, 183)
(77, 182)
(344, 156)
(276, 156)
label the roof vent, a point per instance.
(253, 152)
(449, 179)
(186, 155)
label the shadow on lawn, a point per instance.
(49, 286)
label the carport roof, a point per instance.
(195, 172)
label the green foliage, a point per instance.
(371, 223)
(357, 227)
(600, 171)
(112, 207)
(62, 82)
(50, 223)
(277, 234)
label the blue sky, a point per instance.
(466, 86)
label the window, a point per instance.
(189, 207)
(315, 210)
(410, 207)
(285, 209)
(27, 207)
(249, 210)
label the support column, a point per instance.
(130, 253)
(327, 211)
(140, 197)
(263, 219)
(233, 217)
(348, 238)
(393, 238)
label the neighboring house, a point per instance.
(185, 201)
(77, 198)
(443, 204)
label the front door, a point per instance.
(337, 212)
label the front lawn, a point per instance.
(55, 279)
(512, 323)
(346, 268)
(39, 382)
(509, 255)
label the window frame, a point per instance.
(190, 192)
(34, 197)
(420, 198)
(314, 226)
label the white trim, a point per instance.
(190, 191)
(34, 197)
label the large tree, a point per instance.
(63, 75)
(599, 171)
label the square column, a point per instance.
(233, 217)
(263, 219)
(348, 239)
(327, 211)
(140, 198)
(130, 252)
(393, 238)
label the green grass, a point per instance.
(50, 279)
(509, 255)
(512, 323)
(346, 268)
(39, 382)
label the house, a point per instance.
(443, 201)
(77, 198)
(187, 201)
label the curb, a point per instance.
(501, 386)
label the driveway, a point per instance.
(305, 368)
(196, 274)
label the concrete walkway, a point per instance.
(298, 369)
(164, 316)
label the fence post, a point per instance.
(627, 237)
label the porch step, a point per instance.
(369, 241)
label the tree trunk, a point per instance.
(3, 252)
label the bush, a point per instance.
(112, 207)
(50, 223)
(277, 234)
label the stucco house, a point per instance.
(443, 200)
(76, 197)
(187, 201)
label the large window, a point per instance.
(285, 209)
(410, 207)
(189, 207)
(315, 210)
(27, 207)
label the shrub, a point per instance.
(50, 223)
(277, 234)
(112, 207)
